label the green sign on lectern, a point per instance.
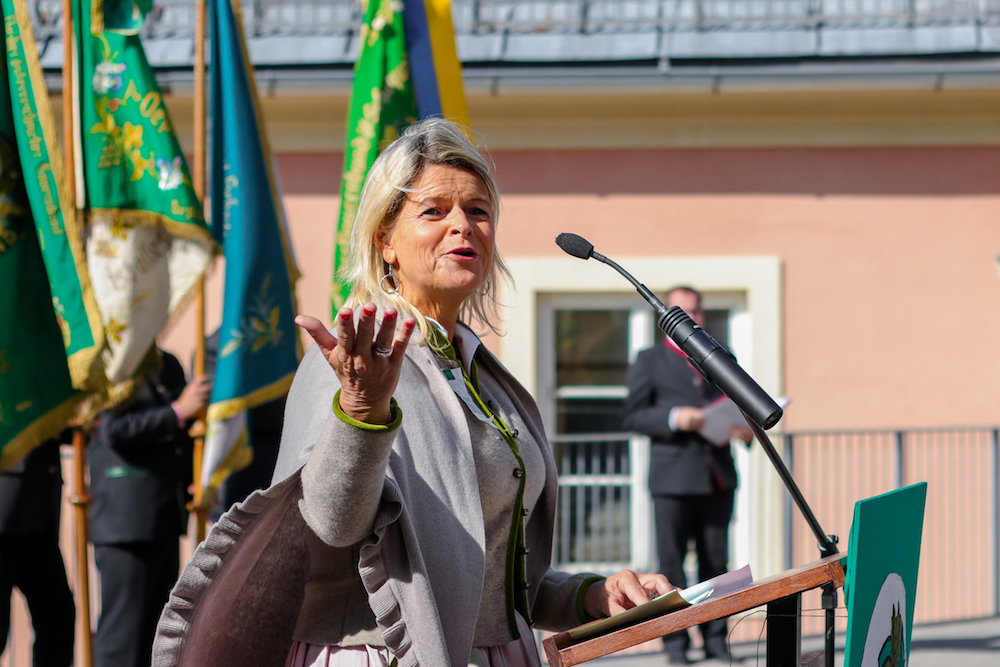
(881, 577)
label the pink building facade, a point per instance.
(848, 237)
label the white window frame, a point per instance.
(758, 278)
(641, 322)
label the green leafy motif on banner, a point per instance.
(261, 325)
(132, 160)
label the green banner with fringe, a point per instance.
(147, 243)
(382, 106)
(57, 223)
(45, 324)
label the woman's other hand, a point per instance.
(623, 591)
(367, 364)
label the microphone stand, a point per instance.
(668, 320)
(827, 543)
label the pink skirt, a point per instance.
(518, 653)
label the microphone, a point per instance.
(710, 358)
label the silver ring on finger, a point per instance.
(382, 351)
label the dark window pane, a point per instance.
(716, 323)
(589, 415)
(591, 347)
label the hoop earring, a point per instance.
(391, 274)
(485, 288)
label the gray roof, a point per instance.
(543, 40)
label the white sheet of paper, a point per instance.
(722, 415)
(716, 587)
(676, 599)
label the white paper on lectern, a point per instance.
(676, 599)
(721, 415)
(716, 587)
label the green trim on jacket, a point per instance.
(581, 599)
(395, 417)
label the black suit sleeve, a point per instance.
(646, 411)
(151, 420)
(128, 430)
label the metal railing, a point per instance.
(594, 522)
(960, 555)
(175, 18)
(960, 552)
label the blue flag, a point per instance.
(259, 347)
(435, 70)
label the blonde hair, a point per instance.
(433, 141)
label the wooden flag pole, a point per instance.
(81, 505)
(79, 498)
(199, 429)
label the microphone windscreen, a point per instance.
(575, 245)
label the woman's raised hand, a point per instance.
(368, 364)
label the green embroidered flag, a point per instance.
(121, 17)
(408, 68)
(57, 225)
(36, 395)
(50, 321)
(147, 243)
(382, 105)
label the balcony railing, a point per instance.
(594, 524)
(175, 18)
(960, 552)
(597, 527)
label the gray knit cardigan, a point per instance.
(422, 562)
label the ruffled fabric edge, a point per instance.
(192, 586)
(382, 599)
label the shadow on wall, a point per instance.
(787, 171)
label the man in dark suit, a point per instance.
(692, 481)
(30, 500)
(140, 470)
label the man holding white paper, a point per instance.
(692, 480)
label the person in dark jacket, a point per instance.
(30, 500)
(692, 481)
(140, 469)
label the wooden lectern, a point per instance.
(781, 593)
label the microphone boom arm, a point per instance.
(717, 365)
(639, 287)
(827, 543)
